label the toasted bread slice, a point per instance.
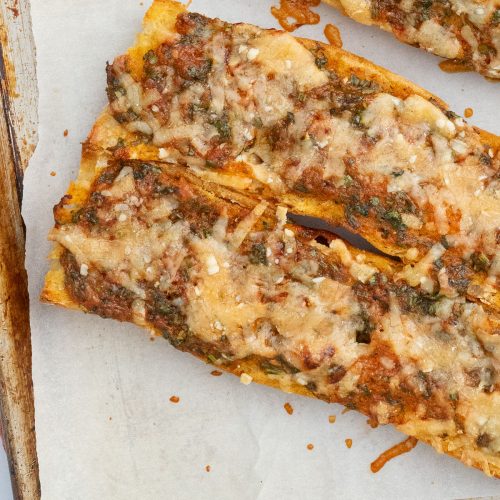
(465, 31)
(324, 132)
(232, 282)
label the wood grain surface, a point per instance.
(17, 141)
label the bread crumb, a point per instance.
(84, 270)
(468, 112)
(53, 174)
(245, 378)
(208, 468)
(348, 442)
(216, 373)
(174, 399)
(289, 408)
(332, 418)
(65, 133)
(310, 446)
(332, 34)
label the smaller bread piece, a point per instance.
(324, 132)
(231, 281)
(465, 31)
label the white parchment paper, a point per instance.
(105, 426)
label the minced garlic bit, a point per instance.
(412, 253)
(84, 270)
(212, 266)
(318, 279)
(162, 153)
(245, 378)
(252, 53)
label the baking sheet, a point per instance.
(105, 426)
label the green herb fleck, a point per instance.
(223, 128)
(321, 61)
(211, 358)
(360, 209)
(365, 390)
(201, 71)
(480, 261)
(347, 180)
(120, 143)
(271, 369)
(278, 366)
(485, 49)
(119, 91)
(394, 219)
(257, 122)
(356, 119)
(90, 216)
(150, 57)
(258, 254)
(445, 242)
(354, 80)
(301, 187)
(438, 263)
(75, 216)
(485, 159)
